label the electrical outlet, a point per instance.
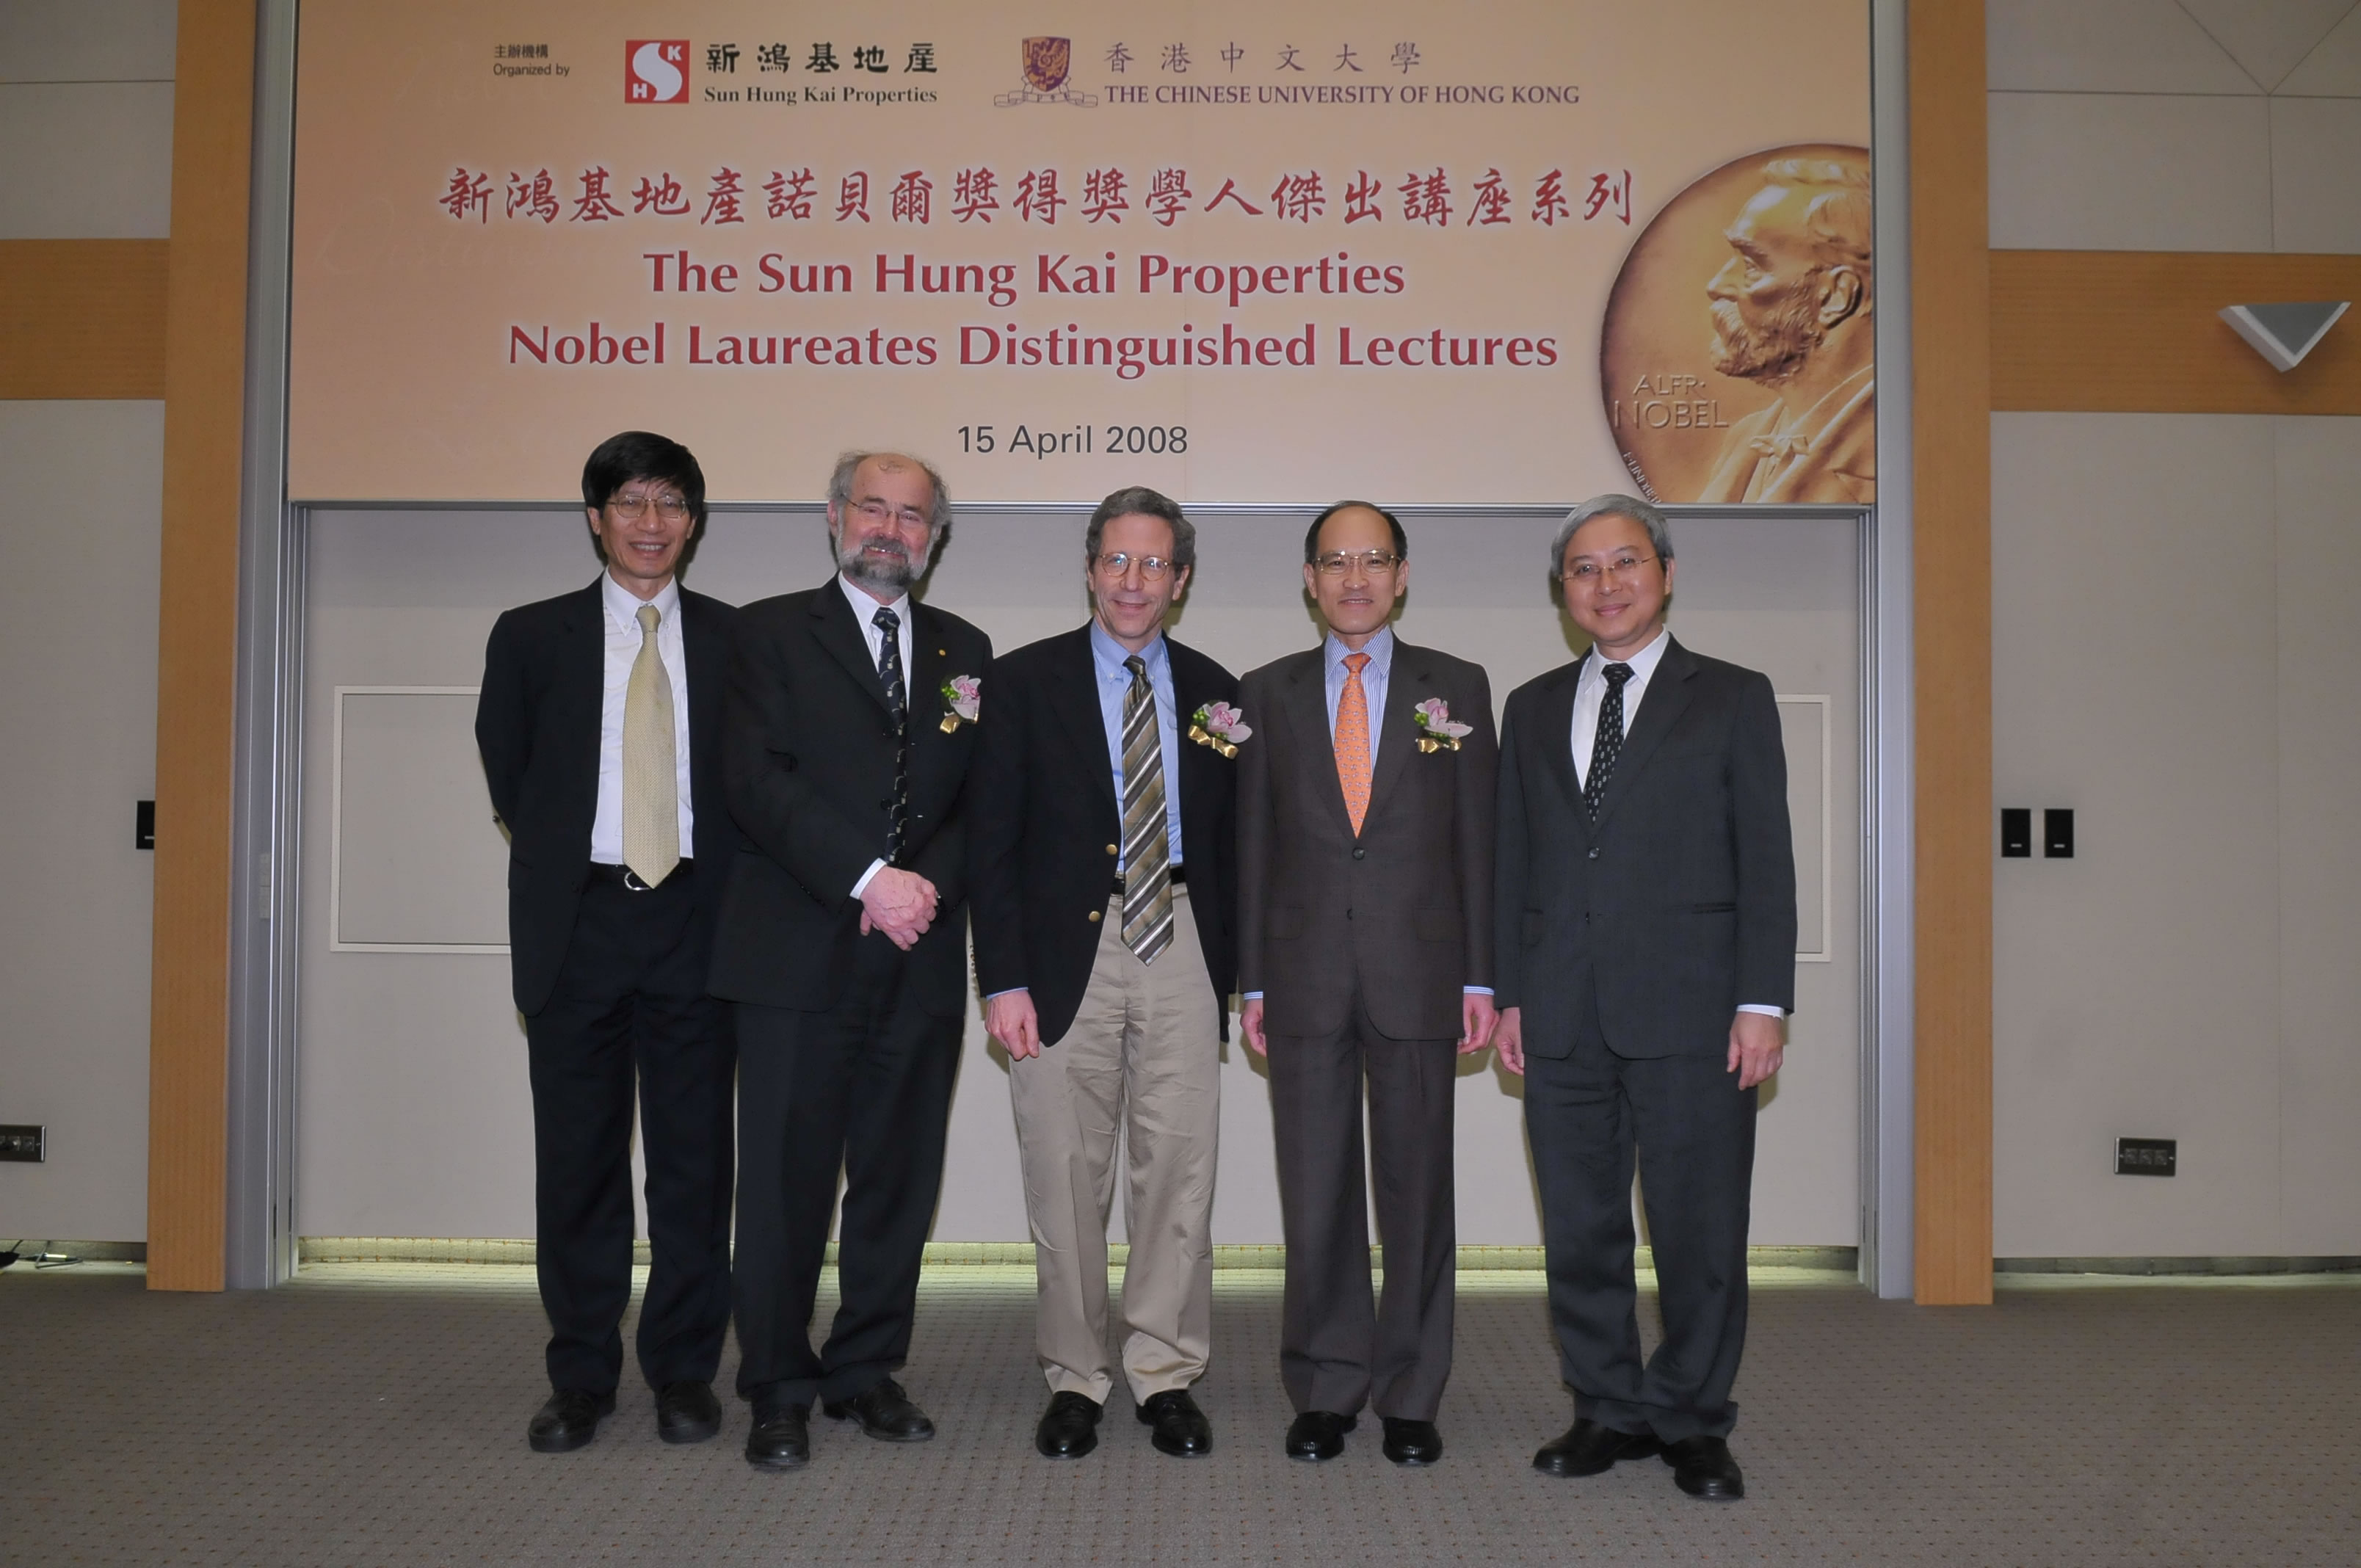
(26, 1146)
(2016, 832)
(2058, 832)
(2147, 1156)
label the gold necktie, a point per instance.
(651, 764)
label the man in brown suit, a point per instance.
(1365, 951)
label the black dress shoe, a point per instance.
(687, 1411)
(1182, 1429)
(780, 1436)
(1069, 1426)
(568, 1420)
(1318, 1434)
(1412, 1443)
(1590, 1449)
(884, 1412)
(1703, 1468)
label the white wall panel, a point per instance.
(2318, 479)
(86, 161)
(2316, 174)
(2267, 37)
(2333, 70)
(80, 507)
(2104, 46)
(2137, 985)
(2123, 172)
(87, 40)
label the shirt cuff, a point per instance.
(1012, 991)
(1476, 990)
(867, 877)
(1251, 996)
(1763, 1007)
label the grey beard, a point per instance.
(866, 571)
(1776, 352)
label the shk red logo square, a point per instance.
(655, 71)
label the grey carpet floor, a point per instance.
(376, 1415)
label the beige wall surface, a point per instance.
(2174, 633)
(86, 153)
(415, 1118)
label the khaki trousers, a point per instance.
(1144, 1057)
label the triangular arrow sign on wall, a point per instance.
(2284, 333)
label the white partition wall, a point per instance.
(413, 1116)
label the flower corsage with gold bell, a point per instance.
(1438, 730)
(962, 701)
(1220, 726)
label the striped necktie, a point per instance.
(1146, 842)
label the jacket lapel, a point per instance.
(1408, 684)
(1660, 710)
(1307, 709)
(1196, 760)
(1556, 737)
(834, 628)
(1074, 697)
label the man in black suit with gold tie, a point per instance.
(851, 718)
(599, 728)
(1646, 912)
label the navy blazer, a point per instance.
(808, 759)
(1679, 902)
(1044, 827)
(537, 724)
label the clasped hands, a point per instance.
(1758, 1045)
(1476, 1020)
(900, 903)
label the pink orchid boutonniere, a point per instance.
(962, 701)
(1440, 732)
(1220, 726)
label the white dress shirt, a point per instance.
(1591, 691)
(622, 650)
(864, 615)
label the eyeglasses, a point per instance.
(1337, 562)
(1622, 568)
(875, 511)
(630, 509)
(1118, 564)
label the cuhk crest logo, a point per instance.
(655, 71)
(1047, 61)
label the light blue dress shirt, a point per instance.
(1115, 681)
(1375, 677)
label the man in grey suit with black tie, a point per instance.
(1364, 952)
(1646, 914)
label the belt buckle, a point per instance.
(632, 882)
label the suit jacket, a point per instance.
(537, 724)
(1043, 824)
(1403, 912)
(807, 760)
(1679, 904)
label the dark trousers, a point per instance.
(864, 1087)
(630, 1004)
(1340, 1347)
(1695, 1133)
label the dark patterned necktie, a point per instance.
(1146, 840)
(897, 702)
(1608, 743)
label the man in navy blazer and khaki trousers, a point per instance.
(599, 727)
(1646, 962)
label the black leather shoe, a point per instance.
(780, 1436)
(568, 1420)
(1590, 1449)
(1182, 1429)
(687, 1411)
(884, 1412)
(1318, 1434)
(1069, 1426)
(1703, 1468)
(1412, 1443)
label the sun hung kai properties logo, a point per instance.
(655, 71)
(1047, 61)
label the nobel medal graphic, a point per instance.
(1047, 61)
(1736, 361)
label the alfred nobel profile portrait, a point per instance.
(1791, 312)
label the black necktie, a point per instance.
(1608, 743)
(897, 702)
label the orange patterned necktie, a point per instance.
(1353, 741)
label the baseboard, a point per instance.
(2171, 1267)
(84, 1252)
(1472, 1259)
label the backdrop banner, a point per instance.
(1423, 252)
